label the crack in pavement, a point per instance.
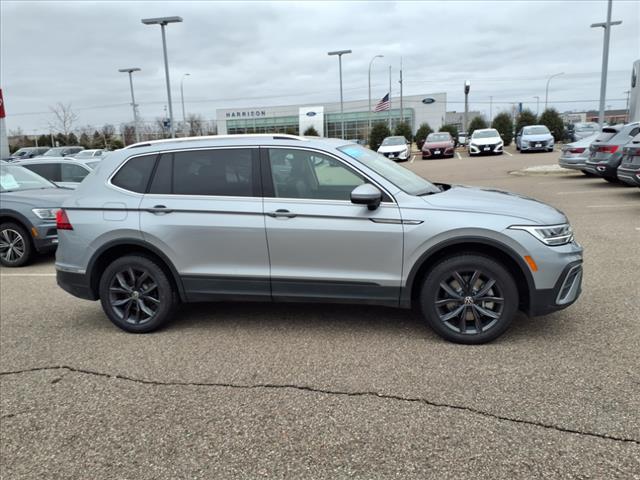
(305, 388)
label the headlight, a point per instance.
(551, 235)
(45, 213)
(524, 142)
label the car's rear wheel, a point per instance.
(469, 298)
(136, 294)
(611, 179)
(16, 249)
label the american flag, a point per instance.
(383, 104)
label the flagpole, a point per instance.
(390, 97)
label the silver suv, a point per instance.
(285, 218)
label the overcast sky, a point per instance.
(251, 54)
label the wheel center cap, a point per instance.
(468, 300)
(135, 295)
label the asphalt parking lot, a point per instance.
(334, 391)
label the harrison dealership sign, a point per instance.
(247, 113)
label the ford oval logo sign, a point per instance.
(311, 114)
(428, 100)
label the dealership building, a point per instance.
(326, 118)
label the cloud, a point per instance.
(275, 53)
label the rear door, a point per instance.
(203, 209)
(321, 245)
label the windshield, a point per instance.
(438, 137)
(535, 130)
(54, 152)
(485, 134)
(402, 178)
(394, 141)
(84, 154)
(14, 178)
(586, 127)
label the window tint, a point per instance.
(50, 171)
(227, 172)
(134, 175)
(72, 173)
(306, 174)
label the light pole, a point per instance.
(339, 53)
(605, 59)
(467, 87)
(163, 22)
(537, 97)
(184, 117)
(546, 94)
(133, 99)
(370, 63)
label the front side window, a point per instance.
(72, 173)
(311, 175)
(220, 172)
(134, 175)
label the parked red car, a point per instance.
(438, 144)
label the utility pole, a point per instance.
(467, 87)
(546, 93)
(537, 97)
(401, 106)
(389, 97)
(339, 53)
(490, 110)
(369, 115)
(628, 92)
(605, 59)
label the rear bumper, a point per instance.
(572, 164)
(602, 169)
(629, 176)
(564, 293)
(77, 284)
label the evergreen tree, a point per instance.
(526, 117)
(421, 135)
(379, 132)
(553, 122)
(403, 130)
(84, 140)
(452, 129)
(72, 139)
(502, 123)
(311, 132)
(476, 123)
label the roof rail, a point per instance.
(215, 137)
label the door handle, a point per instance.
(281, 213)
(159, 210)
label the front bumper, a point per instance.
(485, 149)
(77, 284)
(564, 293)
(404, 155)
(536, 147)
(437, 152)
(45, 237)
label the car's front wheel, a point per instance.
(469, 298)
(16, 249)
(136, 294)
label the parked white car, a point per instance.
(63, 171)
(395, 148)
(485, 141)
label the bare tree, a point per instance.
(63, 118)
(196, 124)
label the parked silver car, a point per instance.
(605, 153)
(285, 218)
(574, 155)
(583, 130)
(64, 172)
(534, 138)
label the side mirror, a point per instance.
(367, 195)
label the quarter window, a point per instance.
(307, 174)
(134, 175)
(72, 173)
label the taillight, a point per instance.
(608, 149)
(577, 150)
(62, 220)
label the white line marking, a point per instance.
(27, 275)
(617, 205)
(413, 158)
(508, 153)
(458, 154)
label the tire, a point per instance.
(475, 322)
(611, 179)
(16, 249)
(122, 294)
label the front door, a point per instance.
(322, 246)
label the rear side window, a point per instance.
(50, 171)
(221, 172)
(134, 175)
(606, 135)
(72, 173)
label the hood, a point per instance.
(392, 148)
(537, 138)
(42, 198)
(486, 200)
(485, 141)
(444, 144)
